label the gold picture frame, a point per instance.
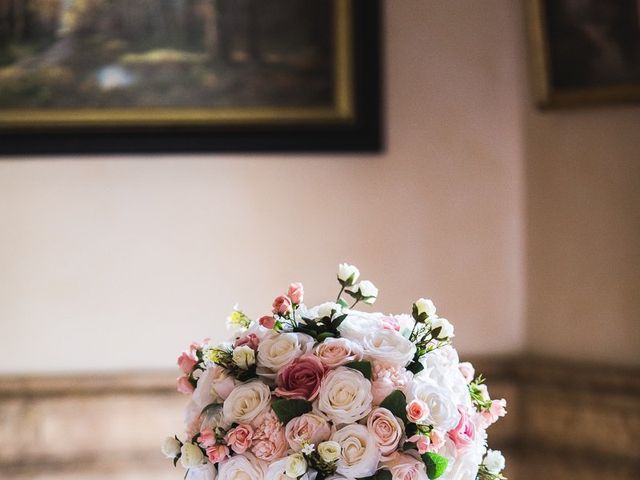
(347, 120)
(550, 93)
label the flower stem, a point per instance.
(340, 293)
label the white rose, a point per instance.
(279, 349)
(345, 396)
(170, 447)
(447, 330)
(367, 290)
(277, 469)
(443, 413)
(244, 357)
(334, 352)
(348, 274)
(360, 453)
(494, 461)
(191, 456)
(425, 305)
(205, 472)
(389, 347)
(464, 465)
(358, 325)
(296, 465)
(324, 310)
(246, 402)
(441, 368)
(241, 467)
(329, 451)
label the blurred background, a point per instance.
(522, 224)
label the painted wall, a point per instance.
(117, 263)
(583, 182)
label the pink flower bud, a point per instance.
(296, 292)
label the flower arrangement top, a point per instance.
(330, 392)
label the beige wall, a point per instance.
(583, 181)
(119, 262)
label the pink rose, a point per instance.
(407, 467)
(306, 429)
(334, 352)
(250, 340)
(467, 371)
(296, 292)
(207, 438)
(217, 453)
(498, 409)
(267, 321)
(301, 378)
(417, 410)
(464, 433)
(269, 443)
(422, 443)
(391, 323)
(386, 430)
(282, 305)
(437, 440)
(240, 438)
(184, 385)
(186, 362)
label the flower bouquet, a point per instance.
(330, 392)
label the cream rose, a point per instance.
(171, 447)
(388, 347)
(246, 402)
(334, 352)
(244, 357)
(329, 451)
(296, 465)
(442, 411)
(279, 349)
(277, 470)
(242, 467)
(358, 325)
(385, 429)
(345, 396)
(191, 456)
(360, 453)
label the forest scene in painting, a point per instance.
(70, 54)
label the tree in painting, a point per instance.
(165, 53)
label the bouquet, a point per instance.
(330, 392)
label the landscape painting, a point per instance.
(169, 60)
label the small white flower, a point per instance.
(425, 305)
(296, 465)
(348, 274)
(244, 357)
(325, 309)
(366, 290)
(329, 451)
(494, 461)
(191, 456)
(308, 449)
(171, 447)
(447, 330)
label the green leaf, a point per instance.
(363, 367)
(288, 409)
(415, 367)
(342, 303)
(323, 336)
(379, 475)
(337, 321)
(436, 464)
(396, 403)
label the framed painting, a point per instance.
(116, 76)
(585, 51)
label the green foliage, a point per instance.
(477, 397)
(379, 475)
(436, 464)
(396, 403)
(321, 328)
(363, 367)
(288, 409)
